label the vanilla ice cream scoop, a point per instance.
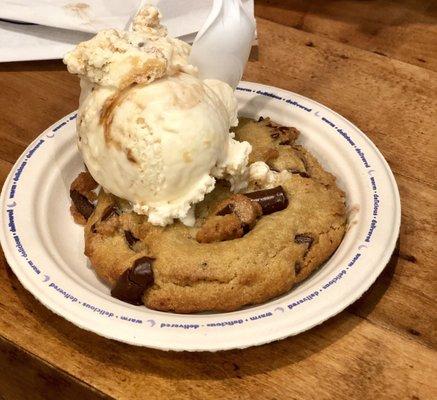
(149, 130)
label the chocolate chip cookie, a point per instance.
(244, 249)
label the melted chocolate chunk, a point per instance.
(246, 228)
(306, 239)
(109, 212)
(303, 239)
(270, 200)
(134, 281)
(130, 238)
(297, 267)
(82, 204)
(303, 174)
(228, 209)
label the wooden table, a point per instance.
(375, 62)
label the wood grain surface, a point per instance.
(384, 345)
(405, 30)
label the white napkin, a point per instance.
(60, 24)
(82, 15)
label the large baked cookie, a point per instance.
(183, 275)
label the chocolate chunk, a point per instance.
(274, 135)
(270, 200)
(303, 174)
(297, 267)
(81, 203)
(109, 212)
(141, 272)
(130, 238)
(303, 239)
(260, 119)
(246, 228)
(228, 209)
(134, 281)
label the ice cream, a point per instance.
(149, 130)
(262, 177)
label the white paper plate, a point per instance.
(45, 248)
